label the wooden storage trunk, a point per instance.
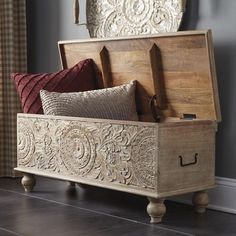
(156, 160)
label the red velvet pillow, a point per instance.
(81, 77)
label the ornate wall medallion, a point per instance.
(111, 18)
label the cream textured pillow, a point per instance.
(116, 103)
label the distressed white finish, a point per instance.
(93, 150)
(111, 18)
(129, 156)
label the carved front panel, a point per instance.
(105, 152)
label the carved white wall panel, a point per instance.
(105, 152)
(111, 18)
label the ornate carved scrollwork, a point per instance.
(101, 151)
(110, 18)
(26, 142)
(77, 149)
(143, 149)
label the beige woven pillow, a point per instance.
(116, 103)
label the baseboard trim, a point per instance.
(221, 198)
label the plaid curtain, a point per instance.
(12, 59)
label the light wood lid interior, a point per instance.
(178, 67)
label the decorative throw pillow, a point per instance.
(81, 77)
(116, 103)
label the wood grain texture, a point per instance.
(187, 67)
(186, 142)
(157, 75)
(106, 68)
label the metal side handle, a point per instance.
(189, 164)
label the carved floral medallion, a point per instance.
(104, 152)
(111, 18)
(77, 149)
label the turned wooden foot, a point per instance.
(200, 201)
(28, 182)
(156, 209)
